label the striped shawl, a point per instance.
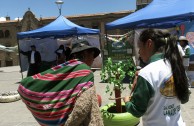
(51, 95)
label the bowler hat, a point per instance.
(84, 45)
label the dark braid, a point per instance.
(178, 70)
(167, 44)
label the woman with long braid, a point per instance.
(162, 85)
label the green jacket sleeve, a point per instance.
(187, 53)
(138, 104)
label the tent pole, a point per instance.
(105, 47)
(101, 48)
(19, 57)
(100, 39)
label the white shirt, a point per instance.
(60, 51)
(32, 60)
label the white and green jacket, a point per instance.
(186, 57)
(154, 96)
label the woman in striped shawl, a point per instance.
(65, 94)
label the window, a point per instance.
(7, 33)
(1, 34)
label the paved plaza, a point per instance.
(16, 114)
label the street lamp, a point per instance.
(59, 5)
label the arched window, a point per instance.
(1, 34)
(7, 33)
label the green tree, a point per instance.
(113, 73)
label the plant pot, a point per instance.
(111, 118)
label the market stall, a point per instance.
(177, 14)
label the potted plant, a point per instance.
(113, 73)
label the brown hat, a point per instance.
(84, 45)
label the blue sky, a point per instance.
(48, 8)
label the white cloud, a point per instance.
(2, 19)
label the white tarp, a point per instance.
(47, 48)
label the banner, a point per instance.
(119, 47)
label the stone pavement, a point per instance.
(16, 114)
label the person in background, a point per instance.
(182, 53)
(34, 60)
(184, 43)
(65, 95)
(67, 53)
(162, 85)
(186, 48)
(60, 54)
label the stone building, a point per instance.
(10, 28)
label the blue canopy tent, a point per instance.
(59, 28)
(43, 37)
(158, 14)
